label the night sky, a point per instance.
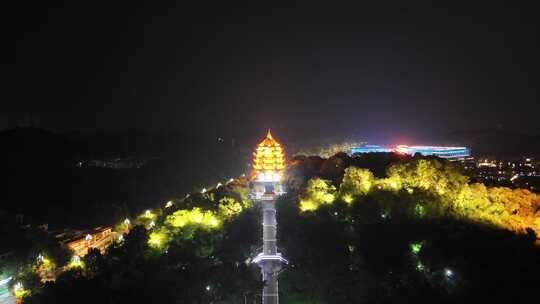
(307, 71)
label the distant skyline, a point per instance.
(305, 71)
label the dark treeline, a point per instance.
(40, 179)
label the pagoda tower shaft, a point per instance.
(270, 270)
(268, 165)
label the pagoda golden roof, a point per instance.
(268, 156)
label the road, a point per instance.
(5, 296)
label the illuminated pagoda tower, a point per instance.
(268, 170)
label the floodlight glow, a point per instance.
(88, 237)
(269, 257)
(402, 149)
(126, 221)
(348, 198)
(169, 204)
(75, 262)
(415, 247)
(5, 281)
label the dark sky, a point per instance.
(309, 71)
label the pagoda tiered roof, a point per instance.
(268, 156)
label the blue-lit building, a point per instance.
(452, 153)
(442, 152)
(370, 149)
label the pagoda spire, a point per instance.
(269, 135)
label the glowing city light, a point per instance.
(152, 224)
(18, 287)
(203, 190)
(348, 198)
(169, 204)
(19, 291)
(149, 214)
(127, 222)
(449, 273)
(402, 149)
(415, 247)
(88, 237)
(75, 262)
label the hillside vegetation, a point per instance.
(376, 229)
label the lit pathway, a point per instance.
(6, 297)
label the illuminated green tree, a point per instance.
(356, 181)
(229, 207)
(317, 192)
(440, 177)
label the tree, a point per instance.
(317, 192)
(94, 263)
(356, 181)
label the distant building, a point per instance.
(370, 149)
(81, 241)
(451, 153)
